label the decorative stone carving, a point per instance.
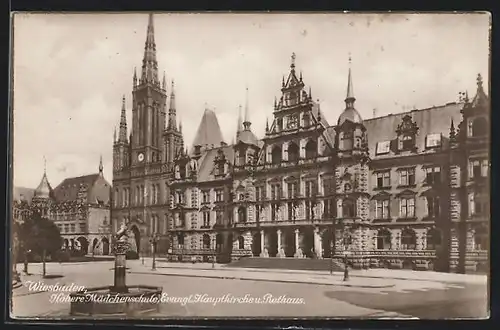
(264, 253)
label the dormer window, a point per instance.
(383, 147)
(433, 141)
(407, 132)
(407, 143)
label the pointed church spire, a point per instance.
(267, 125)
(172, 111)
(122, 135)
(101, 167)
(135, 77)
(310, 93)
(246, 123)
(239, 126)
(114, 135)
(349, 101)
(164, 83)
(149, 63)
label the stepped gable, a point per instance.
(23, 194)
(208, 135)
(206, 162)
(97, 189)
(435, 120)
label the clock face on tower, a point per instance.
(140, 157)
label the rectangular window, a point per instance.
(383, 147)
(275, 191)
(432, 175)
(384, 179)
(485, 167)
(433, 141)
(407, 207)
(433, 207)
(82, 227)
(407, 177)
(274, 212)
(219, 195)
(73, 229)
(258, 193)
(206, 197)
(475, 169)
(206, 219)
(382, 209)
(292, 189)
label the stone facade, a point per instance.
(401, 191)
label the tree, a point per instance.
(40, 236)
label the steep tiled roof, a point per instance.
(21, 193)
(69, 188)
(208, 134)
(206, 162)
(435, 120)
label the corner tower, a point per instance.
(351, 173)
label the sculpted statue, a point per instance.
(122, 234)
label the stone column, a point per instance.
(298, 250)
(263, 250)
(120, 285)
(317, 243)
(281, 251)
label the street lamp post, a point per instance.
(213, 256)
(346, 267)
(154, 242)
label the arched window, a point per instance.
(481, 241)
(408, 240)
(242, 214)
(311, 149)
(384, 239)
(479, 126)
(182, 171)
(433, 239)
(276, 155)
(293, 152)
(206, 241)
(241, 243)
(349, 208)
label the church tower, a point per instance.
(148, 107)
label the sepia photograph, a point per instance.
(250, 165)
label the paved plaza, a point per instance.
(367, 294)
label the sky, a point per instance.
(72, 70)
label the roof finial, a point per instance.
(292, 65)
(164, 83)
(246, 123)
(44, 165)
(350, 90)
(101, 167)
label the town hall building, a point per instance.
(407, 190)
